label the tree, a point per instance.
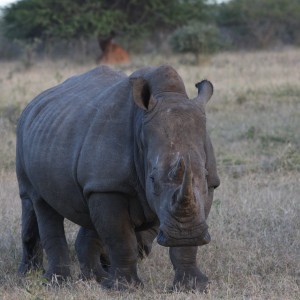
(104, 19)
(197, 38)
(262, 21)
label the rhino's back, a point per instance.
(52, 131)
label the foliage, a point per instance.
(263, 22)
(259, 24)
(29, 19)
(196, 37)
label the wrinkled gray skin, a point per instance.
(128, 159)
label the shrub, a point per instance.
(197, 38)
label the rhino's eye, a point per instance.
(152, 178)
(206, 173)
(152, 175)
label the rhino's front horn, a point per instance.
(186, 191)
(184, 197)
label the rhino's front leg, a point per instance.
(109, 213)
(187, 274)
(51, 229)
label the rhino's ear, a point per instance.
(205, 91)
(141, 93)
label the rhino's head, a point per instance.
(179, 163)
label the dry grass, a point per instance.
(254, 120)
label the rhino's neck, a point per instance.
(138, 148)
(139, 162)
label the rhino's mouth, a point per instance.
(181, 241)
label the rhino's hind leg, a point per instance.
(109, 213)
(51, 229)
(32, 258)
(89, 251)
(187, 274)
(145, 239)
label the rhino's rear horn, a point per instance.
(178, 171)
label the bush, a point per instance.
(197, 38)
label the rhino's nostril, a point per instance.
(161, 237)
(206, 238)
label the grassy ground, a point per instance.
(254, 121)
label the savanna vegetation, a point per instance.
(250, 54)
(59, 28)
(253, 119)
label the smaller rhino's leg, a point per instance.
(52, 233)
(110, 216)
(187, 274)
(32, 257)
(145, 239)
(89, 250)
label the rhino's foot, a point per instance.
(97, 273)
(121, 282)
(58, 276)
(190, 279)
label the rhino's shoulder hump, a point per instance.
(84, 85)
